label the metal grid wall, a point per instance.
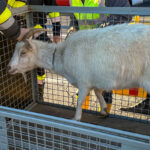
(25, 130)
(14, 92)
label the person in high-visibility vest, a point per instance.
(89, 21)
(8, 25)
(144, 106)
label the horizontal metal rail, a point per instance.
(102, 10)
(143, 11)
(20, 10)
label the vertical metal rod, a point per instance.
(29, 19)
(3, 134)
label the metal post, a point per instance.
(3, 134)
(29, 19)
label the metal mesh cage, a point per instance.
(56, 91)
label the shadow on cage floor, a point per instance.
(116, 123)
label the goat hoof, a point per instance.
(104, 113)
(104, 116)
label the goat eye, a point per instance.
(23, 54)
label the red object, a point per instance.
(133, 91)
(62, 2)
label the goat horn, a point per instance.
(32, 32)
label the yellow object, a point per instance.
(5, 15)
(109, 108)
(38, 26)
(54, 14)
(86, 20)
(41, 77)
(121, 92)
(16, 4)
(11, 2)
(141, 93)
(137, 20)
(86, 102)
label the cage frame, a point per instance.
(129, 140)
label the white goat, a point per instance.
(114, 57)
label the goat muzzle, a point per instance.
(10, 70)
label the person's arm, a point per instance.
(8, 25)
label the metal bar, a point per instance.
(30, 106)
(140, 141)
(103, 10)
(29, 19)
(20, 10)
(3, 134)
(35, 86)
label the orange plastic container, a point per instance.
(139, 92)
(86, 102)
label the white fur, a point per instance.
(114, 57)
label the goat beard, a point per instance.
(24, 76)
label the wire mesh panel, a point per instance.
(26, 130)
(14, 92)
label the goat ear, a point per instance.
(28, 44)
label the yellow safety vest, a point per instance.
(6, 14)
(55, 16)
(87, 20)
(16, 4)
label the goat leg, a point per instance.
(83, 92)
(102, 102)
